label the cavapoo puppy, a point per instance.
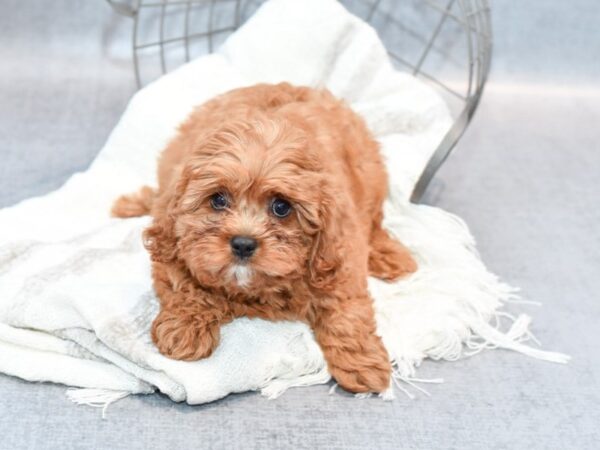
(269, 205)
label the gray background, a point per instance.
(525, 177)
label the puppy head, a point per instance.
(251, 210)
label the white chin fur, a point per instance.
(241, 274)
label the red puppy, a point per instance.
(270, 205)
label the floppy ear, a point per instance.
(159, 238)
(325, 257)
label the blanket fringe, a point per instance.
(487, 336)
(276, 387)
(98, 398)
(397, 380)
(386, 396)
(484, 336)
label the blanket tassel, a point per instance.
(98, 398)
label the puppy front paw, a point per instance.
(184, 337)
(361, 372)
(355, 354)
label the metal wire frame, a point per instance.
(470, 17)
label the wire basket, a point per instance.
(447, 43)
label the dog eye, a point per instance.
(219, 201)
(281, 208)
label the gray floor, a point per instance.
(525, 177)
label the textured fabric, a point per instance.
(524, 177)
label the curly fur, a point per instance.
(254, 144)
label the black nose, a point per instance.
(243, 246)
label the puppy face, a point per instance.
(249, 206)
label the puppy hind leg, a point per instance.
(388, 258)
(134, 205)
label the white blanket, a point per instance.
(76, 299)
